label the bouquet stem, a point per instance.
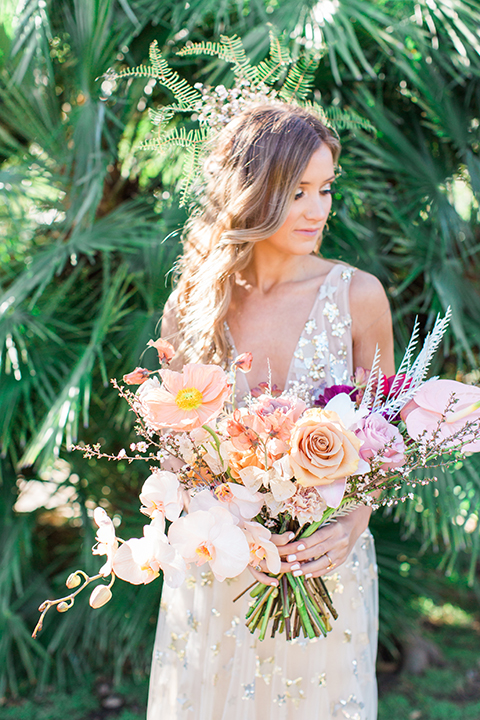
(296, 605)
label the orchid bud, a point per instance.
(137, 377)
(244, 362)
(63, 607)
(73, 581)
(100, 596)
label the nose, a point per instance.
(319, 208)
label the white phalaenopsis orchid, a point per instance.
(140, 560)
(161, 496)
(211, 536)
(239, 500)
(261, 547)
(107, 543)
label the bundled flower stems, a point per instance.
(279, 463)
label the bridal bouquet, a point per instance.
(279, 463)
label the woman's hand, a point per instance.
(327, 548)
(260, 571)
(324, 550)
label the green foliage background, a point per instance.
(89, 229)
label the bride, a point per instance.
(251, 280)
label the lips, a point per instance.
(308, 231)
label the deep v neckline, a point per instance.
(318, 297)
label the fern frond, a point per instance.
(139, 71)
(347, 119)
(183, 92)
(192, 142)
(236, 52)
(206, 47)
(300, 79)
(185, 95)
(178, 138)
(161, 116)
(268, 71)
(229, 49)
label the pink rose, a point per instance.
(322, 449)
(381, 440)
(427, 412)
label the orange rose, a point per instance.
(322, 449)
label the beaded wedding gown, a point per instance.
(207, 666)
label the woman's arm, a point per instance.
(371, 327)
(371, 323)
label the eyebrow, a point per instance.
(331, 179)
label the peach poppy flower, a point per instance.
(185, 400)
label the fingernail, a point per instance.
(308, 575)
(300, 547)
(291, 536)
(297, 573)
(274, 583)
(291, 558)
(295, 567)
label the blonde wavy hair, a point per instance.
(252, 175)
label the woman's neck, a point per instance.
(268, 268)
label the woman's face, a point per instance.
(303, 226)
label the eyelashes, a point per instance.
(300, 193)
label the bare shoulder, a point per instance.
(169, 318)
(367, 297)
(371, 322)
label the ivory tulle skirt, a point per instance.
(207, 666)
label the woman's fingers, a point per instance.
(305, 548)
(283, 539)
(322, 566)
(263, 577)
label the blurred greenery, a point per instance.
(89, 230)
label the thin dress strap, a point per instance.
(323, 355)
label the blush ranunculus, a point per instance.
(185, 400)
(381, 440)
(423, 415)
(322, 449)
